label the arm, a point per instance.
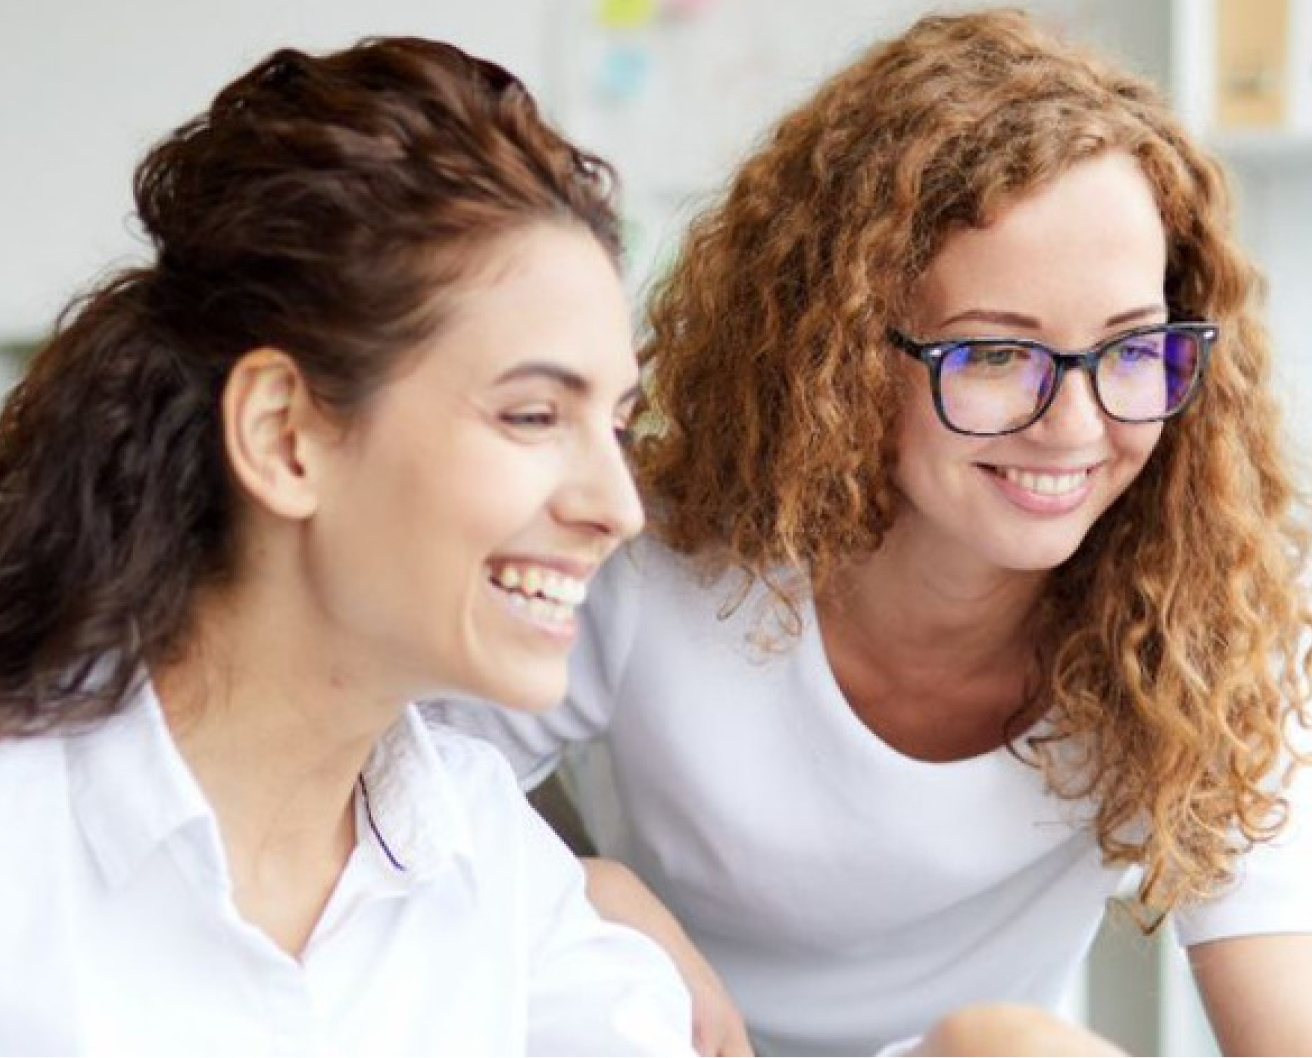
(621, 897)
(1255, 990)
(1251, 949)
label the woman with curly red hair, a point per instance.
(973, 591)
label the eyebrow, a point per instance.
(1143, 312)
(1018, 319)
(571, 380)
(563, 376)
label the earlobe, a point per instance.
(265, 406)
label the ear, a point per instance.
(270, 425)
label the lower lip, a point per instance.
(1041, 503)
(558, 632)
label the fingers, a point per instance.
(718, 1028)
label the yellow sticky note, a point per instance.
(626, 14)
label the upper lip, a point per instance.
(579, 570)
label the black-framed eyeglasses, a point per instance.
(985, 387)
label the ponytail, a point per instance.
(113, 498)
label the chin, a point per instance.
(1038, 555)
(1043, 559)
(526, 694)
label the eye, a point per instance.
(996, 357)
(626, 424)
(1133, 352)
(533, 417)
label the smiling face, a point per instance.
(1079, 261)
(461, 517)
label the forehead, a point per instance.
(546, 292)
(1087, 241)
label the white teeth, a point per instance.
(532, 581)
(541, 584)
(542, 610)
(1046, 484)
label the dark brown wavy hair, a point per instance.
(325, 206)
(1172, 651)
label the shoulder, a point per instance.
(28, 765)
(638, 568)
(36, 823)
(467, 760)
(648, 564)
(1271, 891)
(648, 581)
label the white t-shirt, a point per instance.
(458, 927)
(849, 894)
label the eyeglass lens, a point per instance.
(995, 387)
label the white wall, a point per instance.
(1276, 213)
(87, 85)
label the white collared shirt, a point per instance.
(459, 925)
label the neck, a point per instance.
(935, 656)
(277, 742)
(272, 778)
(934, 610)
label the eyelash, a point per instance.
(535, 419)
(539, 419)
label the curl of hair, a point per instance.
(325, 206)
(1172, 649)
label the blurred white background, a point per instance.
(673, 92)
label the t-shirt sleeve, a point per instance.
(535, 743)
(1272, 892)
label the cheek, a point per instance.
(918, 430)
(1136, 444)
(496, 491)
(928, 450)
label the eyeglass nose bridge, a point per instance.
(1063, 364)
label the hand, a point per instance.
(717, 1025)
(1011, 1029)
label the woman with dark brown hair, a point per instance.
(974, 588)
(353, 437)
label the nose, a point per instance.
(1074, 416)
(602, 494)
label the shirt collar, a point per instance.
(412, 804)
(131, 790)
